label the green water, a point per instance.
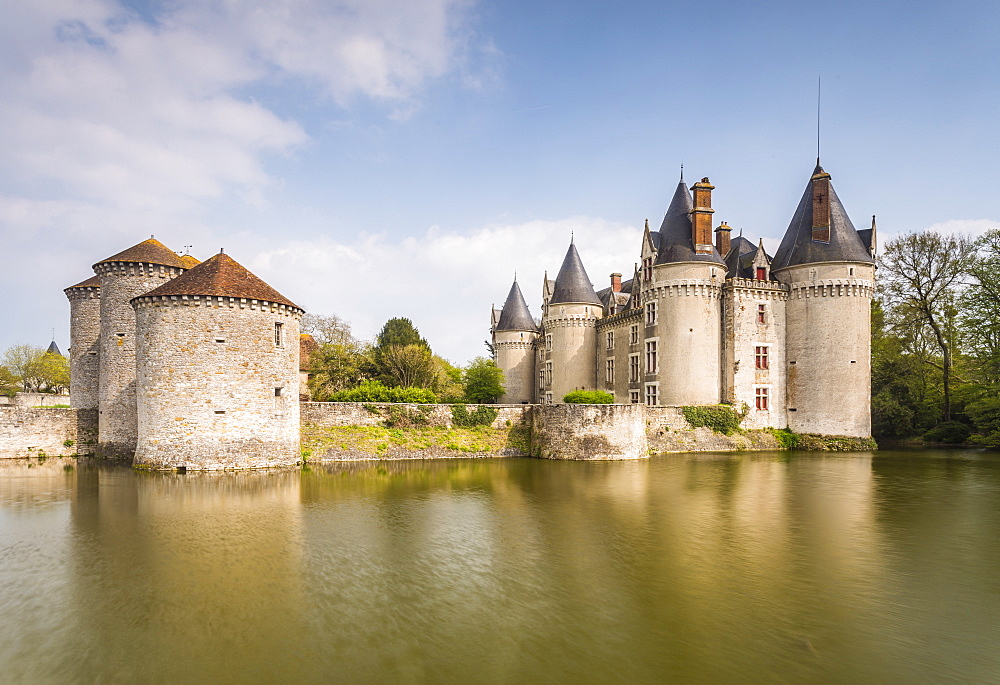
(854, 568)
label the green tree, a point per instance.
(484, 381)
(402, 357)
(399, 332)
(980, 305)
(922, 276)
(339, 361)
(9, 385)
(36, 370)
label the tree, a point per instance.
(402, 357)
(980, 305)
(922, 275)
(35, 369)
(9, 385)
(327, 329)
(407, 366)
(399, 332)
(484, 381)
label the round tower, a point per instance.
(84, 338)
(831, 276)
(217, 360)
(570, 328)
(514, 337)
(681, 298)
(123, 276)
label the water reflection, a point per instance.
(695, 568)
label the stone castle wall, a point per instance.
(215, 389)
(341, 414)
(84, 341)
(32, 432)
(828, 347)
(120, 282)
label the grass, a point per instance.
(381, 441)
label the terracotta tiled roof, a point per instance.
(189, 261)
(150, 251)
(221, 276)
(92, 282)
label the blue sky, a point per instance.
(379, 158)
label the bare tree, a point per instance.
(922, 276)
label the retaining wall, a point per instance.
(26, 432)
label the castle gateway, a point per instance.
(702, 322)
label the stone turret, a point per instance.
(123, 276)
(514, 337)
(830, 274)
(570, 329)
(682, 356)
(84, 342)
(217, 358)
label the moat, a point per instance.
(763, 567)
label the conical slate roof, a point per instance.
(92, 282)
(515, 315)
(573, 284)
(675, 232)
(53, 349)
(150, 251)
(798, 247)
(736, 257)
(221, 276)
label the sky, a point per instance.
(383, 158)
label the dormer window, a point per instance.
(761, 273)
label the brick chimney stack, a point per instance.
(820, 205)
(722, 242)
(701, 217)
(616, 283)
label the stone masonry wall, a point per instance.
(338, 414)
(29, 432)
(120, 282)
(589, 431)
(84, 341)
(214, 388)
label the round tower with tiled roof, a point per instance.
(681, 298)
(84, 342)
(514, 334)
(830, 272)
(123, 276)
(569, 324)
(217, 359)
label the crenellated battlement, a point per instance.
(215, 302)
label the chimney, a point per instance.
(616, 283)
(722, 243)
(701, 217)
(820, 205)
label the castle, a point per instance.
(787, 337)
(190, 364)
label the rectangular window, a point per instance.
(548, 342)
(633, 396)
(651, 356)
(541, 379)
(761, 357)
(762, 313)
(609, 370)
(650, 313)
(548, 398)
(633, 335)
(611, 340)
(548, 373)
(652, 394)
(761, 273)
(633, 368)
(761, 398)
(647, 269)
(277, 335)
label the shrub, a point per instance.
(589, 397)
(375, 391)
(949, 433)
(482, 416)
(721, 418)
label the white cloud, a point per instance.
(443, 281)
